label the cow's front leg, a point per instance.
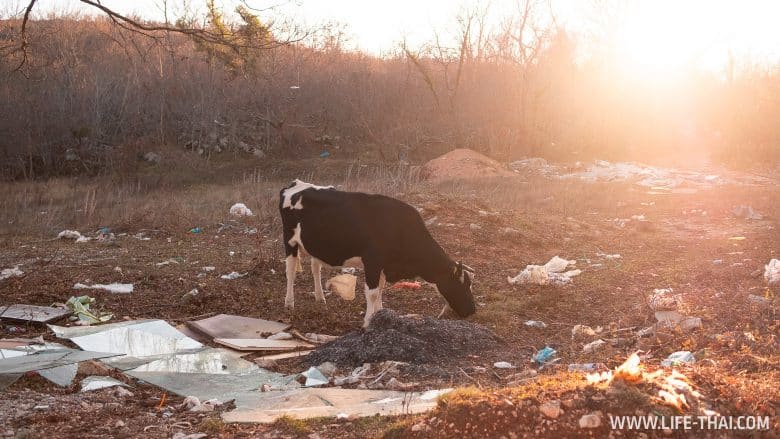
(375, 280)
(316, 272)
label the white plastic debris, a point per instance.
(11, 272)
(314, 377)
(240, 209)
(69, 234)
(343, 285)
(550, 273)
(503, 365)
(115, 288)
(193, 404)
(593, 346)
(81, 239)
(535, 324)
(233, 275)
(664, 299)
(679, 357)
(772, 272)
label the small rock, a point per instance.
(41, 407)
(582, 331)
(418, 427)
(551, 409)
(191, 296)
(121, 392)
(591, 420)
(152, 157)
(473, 226)
(119, 424)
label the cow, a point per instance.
(385, 236)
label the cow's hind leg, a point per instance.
(291, 264)
(316, 272)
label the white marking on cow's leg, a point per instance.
(290, 263)
(444, 310)
(316, 272)
(382, 281)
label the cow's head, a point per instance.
(456, 288)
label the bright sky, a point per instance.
(653, 35)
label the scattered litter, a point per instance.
(551, 272)
(544, 356)
(583, 331)
(609, 257)
(325, 154)
(406, 286)
(593, 346)
(176, 261)
(190, 296)
(664, 299)
(141, 236)
(196, 230)
(233, 275)
(677, 358)
(343, 285)
(772, 272)
(281, 336)
(73, 235)
(535, 324)
(193, 404)
(52, 361)
(737, 238)
(240, 209)
(315, 338)
(583, 367)
(314, 377)
(99, 382)
(503, 365)
(115, 288)
(230, 326)
(79, 306)
(746, 212)
(412, 339)
(32, 313)
(11, 272)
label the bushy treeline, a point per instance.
(90, 92)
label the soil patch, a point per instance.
(411, 339)
(464, 163)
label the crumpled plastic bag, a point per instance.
(772, 272)
(80, 307)
(550, 273)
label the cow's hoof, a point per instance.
(289, 306)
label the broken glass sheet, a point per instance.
(76, 331)
(62, 376)
(211, 361)
(20, 361)
(140, 342)
(99, 382)
(261, 344)
(266, 407)
(314, 377)
(32, 313)
(230, 326)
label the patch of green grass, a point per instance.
(293, 425)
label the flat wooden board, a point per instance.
(261, 344)
(32, 313)
(230, 326)
(285, 355)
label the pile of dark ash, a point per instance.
(411, 339)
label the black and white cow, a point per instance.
(384, 235)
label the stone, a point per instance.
(551, 409)
(591, 420)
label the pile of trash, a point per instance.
(644, 175)
(666, 304)
(464, 164)
(411, 339)
(553, 272)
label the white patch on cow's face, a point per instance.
(298, 187)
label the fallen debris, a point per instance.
(412, 339)
(230, 326)
(503, 365)
(583, 332)
(115, 288)
(80, 308)
(544, 355)
(550, 273)
(261, 344)
(52, 361)
(772, 272)
(11, 272)
(746, 212)
(72, 235)
(664, 299)
(314, 377)
(99, 382)
(677, 358)
(591, 420)
(593, 346)
(535, 324)
(233, 275)
(551, 409)
(32, 313)
(343, 285)
(240, 209)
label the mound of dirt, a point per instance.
(411, 339)
(464, 163)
